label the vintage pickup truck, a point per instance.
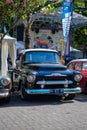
(40, 72)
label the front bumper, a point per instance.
(4, 93)
(59, 91)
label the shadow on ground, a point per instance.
(38, 100)
(35, 100)
(81, 97)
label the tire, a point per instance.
(7, 100)
(59, 98)
(70, 97)
(85, 89)
(23, 95)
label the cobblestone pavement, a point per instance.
(44, 113)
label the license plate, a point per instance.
(57, 91)
(52, 91)
(61, 91)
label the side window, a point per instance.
(71, 66)
(78, 66)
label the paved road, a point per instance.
(44, 113)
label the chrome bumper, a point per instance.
(59, 91)
(4, 93)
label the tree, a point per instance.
(80, 34)
(11, 11)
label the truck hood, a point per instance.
(43, 67)
(47, 69)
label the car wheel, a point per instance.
(85, 89)
(70, 97)
(7, 100)
(22, 93)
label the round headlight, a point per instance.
(78, 77)
(31, 78)
(5, 81)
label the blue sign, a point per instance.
(66, 19)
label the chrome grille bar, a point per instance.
(54, 82)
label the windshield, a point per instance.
(41, 57)
(85, 66)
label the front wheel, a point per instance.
(23, 94)
(70, 97)
(7, 100)
(85, 89)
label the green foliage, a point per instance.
(80, 37)
(12, 12)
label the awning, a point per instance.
(78, 20)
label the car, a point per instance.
(80, 65)
(5, 82)
(40, 72)
(5, 88)
(7, 48)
